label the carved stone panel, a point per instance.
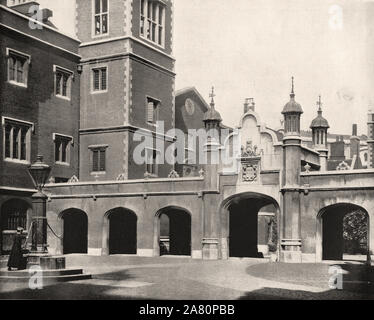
(250, 170)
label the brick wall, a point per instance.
(147, 81)
(38, 104)
(104, 109)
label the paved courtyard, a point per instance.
(131, 277)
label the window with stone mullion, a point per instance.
(16, 65)
(101, 17)
(98, 160)
(15, 141)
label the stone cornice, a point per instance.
(125, 128)
(113, 39)
(130, 55)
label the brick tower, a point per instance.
(127, 84)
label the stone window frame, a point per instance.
(18, 55)
(92, 79)
(100, 148)
(156, 110)
(100, 14)
(69, 144)
(20, 123)
(58, 69)
(154, 21)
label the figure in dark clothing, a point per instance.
(16, 257)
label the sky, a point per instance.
(252, 48)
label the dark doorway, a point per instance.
(244, 234)
(122, 231)
(175, 232)
(243, 229)
(344, 232)
(75, 231)
(13, 215)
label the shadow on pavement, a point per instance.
(285, 294)
(357, 278)
(76, 290)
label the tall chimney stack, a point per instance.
(354, 130)
(354, 143)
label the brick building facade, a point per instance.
(139, 71)
(39, 103)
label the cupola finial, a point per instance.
(319, 104)
(212, 95)
(292, 95)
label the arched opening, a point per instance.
(122, 231)
(344, 232)
(174, 231)
(75, 234)
(252, 225)
(13, 215)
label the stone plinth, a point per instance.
(210, 249)
(291, 250)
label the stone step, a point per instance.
(46, 273)
(47, 279)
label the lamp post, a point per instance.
(39, 172)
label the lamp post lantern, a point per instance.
(39, 172)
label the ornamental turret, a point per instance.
(319, 128)
(292, 112)
(290, 232)
(212, 118)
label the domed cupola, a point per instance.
(212, 117)
(292, 112)
(319, 121)
(319, 128)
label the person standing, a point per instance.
(16, 257)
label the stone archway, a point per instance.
(173, 232)
(75, 231)
(246, 225)
(332, 242)
(122, 231)
(14, 213)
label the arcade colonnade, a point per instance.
(203, 225)
(239, 226)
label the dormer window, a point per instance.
(100, 17)
(152, 21)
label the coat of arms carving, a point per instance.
(249, 172)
